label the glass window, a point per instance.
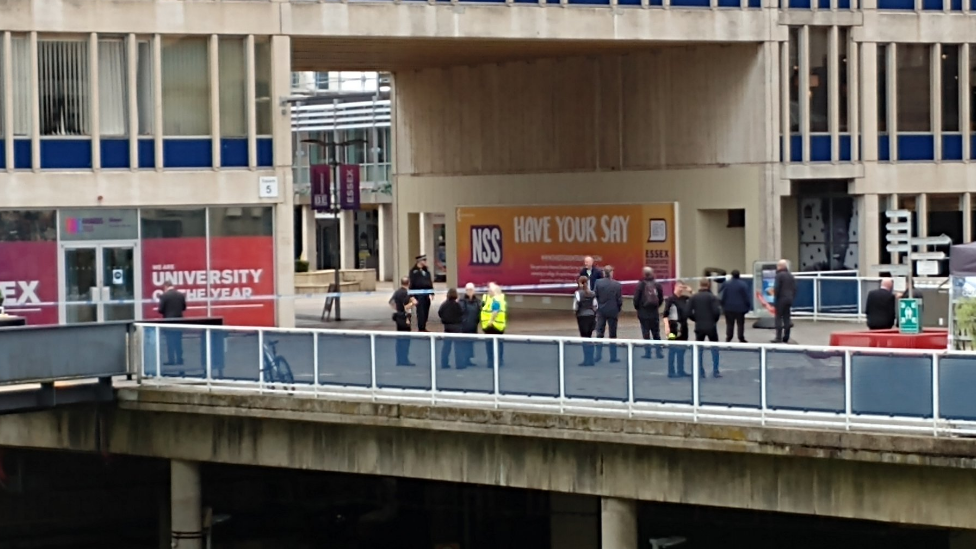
(322, 81)
(819, 79)
(233, 87)
(882, 88)
(28, 226)
(914, 88)
(972, 87)
(145, 87)
(113, 97)
(262, 84)
(186, 87)
(794, 79)
(64, 83)
(950, 88)
(163, 223)
(944, 217)
(842, 66)
(20, 67)
(241, 221)
(2, 87)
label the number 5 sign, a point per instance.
(268, 187)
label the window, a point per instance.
(842, 67)
(2, 87)
(113, 97)
(233, 87)
(21, 85)
(882, 88)
(950, 88)
(262, 84)
(828, 233)
(794, 79)
(322, 81)
(972, 87)
(28, 226)
(145, 89)
(186, 87)
(819, 79)
(64, 87)
(173, 223)
(241, 221)
(914, 91)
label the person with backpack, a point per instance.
(648, 297)
(585, 305)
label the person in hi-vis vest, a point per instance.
(493, 321)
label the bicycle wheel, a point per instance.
(283, 369)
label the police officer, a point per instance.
(421, 286)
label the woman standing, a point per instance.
(451, 315)
(584, 303)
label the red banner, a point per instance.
(239, 285)
(29, 280)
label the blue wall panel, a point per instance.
(233, 152)
(845, 147)
(3, 155)
(66, 154)
(22, 154)
(916, 147)
(800, 4)
(187, 153)
(147, 154)
(951, 146)
(820, 148)
(896, 5)
(796, 148)
(265, 152)
(933, 5)
(884, 150)
(690, 3)
(115, 153)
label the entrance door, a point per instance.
(100, 283)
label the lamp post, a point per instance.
(335, 207)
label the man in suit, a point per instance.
(172, 304)
(784, 290)
(609, 301)
(590, 272)
(736, 299)
(882, 307)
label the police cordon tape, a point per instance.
(515, 289)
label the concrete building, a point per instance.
(774, 130)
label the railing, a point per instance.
(821, 387)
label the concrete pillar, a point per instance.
(185, 507)
(284, 203)
(386, 241)
(868, 241)
(574, 521)
(347, 233)
(310, 238)
(618, 523)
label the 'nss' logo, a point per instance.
(486, 245)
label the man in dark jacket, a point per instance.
(590, 272)
(736, 302)
(675, 317)
(881, 307)
(421, 286)
(704, 310)
(784, 290)
(172, 304)
(609, 302)
(648, 297)
(471, 309)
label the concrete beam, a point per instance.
(898, 479)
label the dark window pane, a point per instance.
(162, 223)
(241, 221)
(914, 88)
(28, 226)
(950, 88)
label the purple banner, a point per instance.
(321, 191)
(349, 186)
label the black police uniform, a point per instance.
(420, 280)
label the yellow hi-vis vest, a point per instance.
(500, 319)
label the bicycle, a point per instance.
(276, 368)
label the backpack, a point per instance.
(650, 299)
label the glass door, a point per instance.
(118, 283)
(81, 286)
(100, 283)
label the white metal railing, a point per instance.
(341, 116)
(885, 390)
